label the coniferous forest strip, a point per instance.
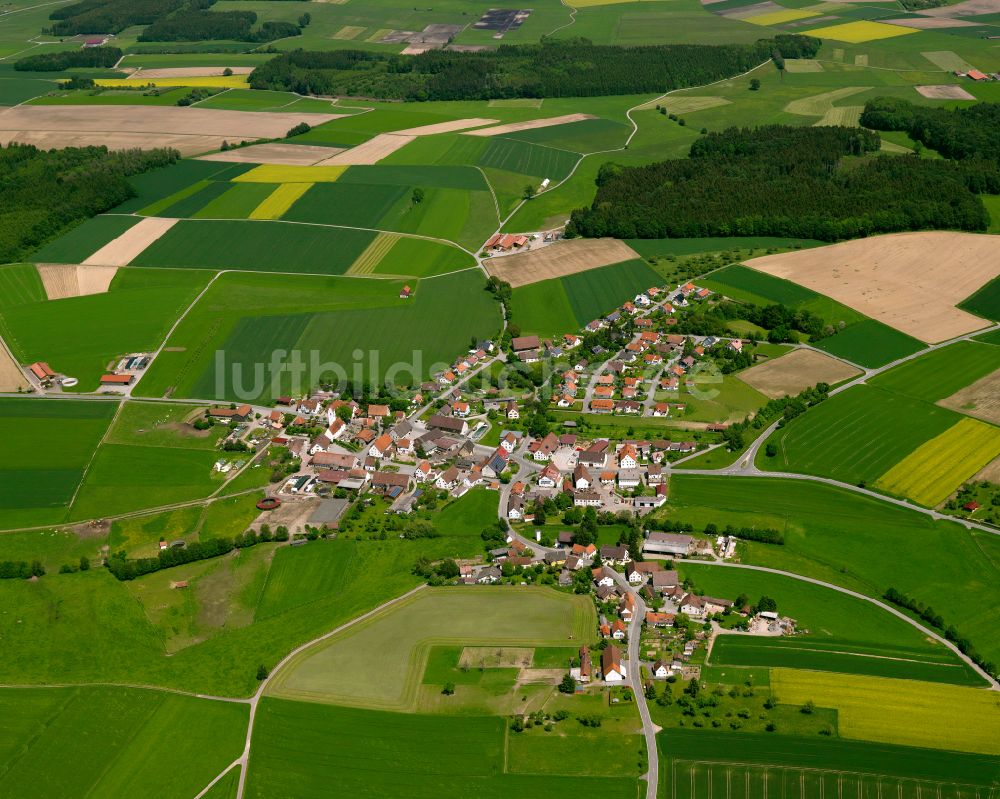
(569, 68)
(811, 182)
(43, 193)
(961, 133)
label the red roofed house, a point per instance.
(117, 380)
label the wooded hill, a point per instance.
(564, 68)
(809, 182)
(44, 192)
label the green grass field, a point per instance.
(526, 158)
(80, 336)
(43, 454)
(250, 316)
(102, 741)
(942, 372)
(301, 747)
(82, 241)
(857, 435)
(853, 541)
(986, 301)
(870, 343)
(693, 762)
(402, 635)
(841, 633)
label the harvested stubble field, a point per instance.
(981, 399)
(944, 92)
(190, 130)
(11, 376)
(531, 124)
(931, 472)
(275, 153)
(64, 280)
(899, 711)
(369, 152)
(558, 260)
(799, 369)
(910, 281)
(132, 243)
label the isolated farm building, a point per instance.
(611, 664)
(117, 380)
(976, 75)
(667, 544)
(42, 370)
(405, 293)
(449, 424)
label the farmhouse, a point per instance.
(227, 415)
(42, 371)
(611, 664)
(449, 424)
(667, 544)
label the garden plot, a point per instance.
(281, 154)
(559, 259)
(798, 370)
(531, 124)
(61, 280)
(130, 244)
(189, 129)
(909, 281)
(981, 399)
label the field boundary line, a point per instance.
(218, 777)
(93, 457)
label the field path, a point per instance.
(244, 759)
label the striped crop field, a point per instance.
(905, 712)
(281, 173)
(373, 254)
(218, 82)
(932, 471)
(280, 200)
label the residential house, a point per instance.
(618, 555)
(549, 477)
(629, 479)
(587, 499)
(381, 446)
(628, 457)
(618, 630)
(612, 668)
(660, 670)
(542, 449)
(582, 481)
(605, 577)
(449, 479)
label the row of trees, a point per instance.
(96, 57)
(20, 569)
(765, 535)
(554, 68)
(124, 569)
(44, 192)
(786, 181)
(927, 614)
(960, 133)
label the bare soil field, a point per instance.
(990, 472)
(445, 127)
(558, 260)
(190, 130)
(531, 124)
(62, 280)
(128, 245)
(980, 400)
(285, 154)
(909, 281)
(945, 92)
(11, 376)
(189, 72)
(798, 370)
(970, 8)
(930, 23)
(371, 152)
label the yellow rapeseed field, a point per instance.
(780, 17)
(905, 712)
(219, 82)
(863, 31)
(932, 471)
(280, 200)
(281, 173)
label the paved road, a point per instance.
(994, 685)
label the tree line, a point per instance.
(801, 182)
(764, 535)
(42, 193)
(125, 569)
(20, 569)
(96, 57)
(959, 133)
(927, 614)
(554, 68)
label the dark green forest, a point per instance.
(96, 57)
(810, 182)
(42, 193)
(199, 25)
(108, 16)
(960, 133)
(569, 68)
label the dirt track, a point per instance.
(980, 400)
(910, 281)
(128, 245)
(799, 369)
(559, 259)
(62, 280)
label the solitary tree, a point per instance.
(261, 672)
(754, 84)
(529, 192)
(568, 684)
(418, 196)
